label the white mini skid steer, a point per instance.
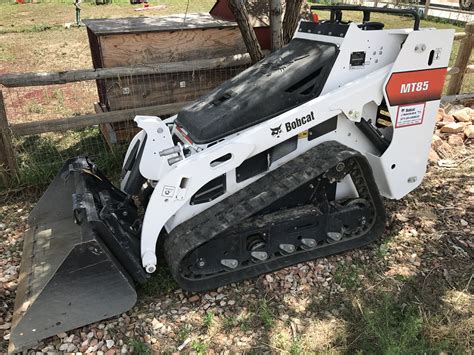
(284, 163)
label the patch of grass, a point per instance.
(30, 29)
(183, 332)
(160, 283)
(59, 95)
(229, 323)
(265, 313)
(6, 55)
(296, 347)
(347, 276)
(38, 28)
(199, 346)
(392, 328)
(208, 320)
(401, 278)
(34, 107)
(382, 250)
(139, 347)
(40, 157)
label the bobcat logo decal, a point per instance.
(276, 131)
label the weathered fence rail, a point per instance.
(39, 79)
(64, 124)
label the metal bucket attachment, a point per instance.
(79, 259)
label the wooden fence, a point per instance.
(8, 163)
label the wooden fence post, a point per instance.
(427, 8)
(7, 155)
(276, 24)
(250, 38)
(462, 60)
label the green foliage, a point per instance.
(295, 348)
(392, 328)
(265, 314)
(34, 107)
(198, 346)
(347, 276)
(183, 332)
(208, 320)
(159, 284)
(41, 156)
(139, 347)
(229, 323)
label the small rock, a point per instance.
(231, 302)
(463, 115)
(71, 348)
(156, 324)
(269, 278)
(437, 141)
(62, 335)
(455, 140)
(64, 347)
(5, 326)
(2, 226)
(445, 151)
(84, 347)
(453, 127)
(109, 343)
(463, 222)
(469, 131)
(193, 299)
(440, 114)
(448, 119)
(433, 157)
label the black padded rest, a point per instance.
(285, 79)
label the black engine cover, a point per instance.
(283, 80)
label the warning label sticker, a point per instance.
(410, 115)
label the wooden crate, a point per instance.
(152, 40)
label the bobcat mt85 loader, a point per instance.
(284, 163)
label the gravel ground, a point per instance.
(421, 268)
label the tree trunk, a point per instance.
(276, 24)
(292, 17)
(250, 39)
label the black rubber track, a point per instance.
(221, 217)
